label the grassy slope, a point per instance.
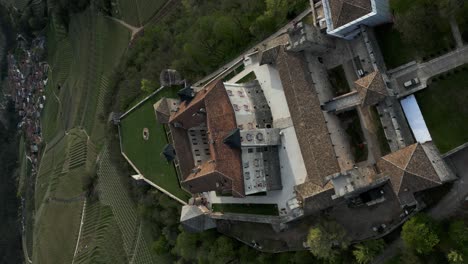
(146, 154)
(82, 62)
(443, 105)
(139, 12)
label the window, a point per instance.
(246, 165)
(236, 107)
(256, 163)
(247, 175)
(241, 93)
(249, 137)
(246, 107)
(250, 150)
(229, 92)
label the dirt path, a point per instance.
(133, 29)
(79, 232)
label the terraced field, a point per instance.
(81, 63)
(138, 12)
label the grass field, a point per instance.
(55, 235)
(259, 209)
(443, 105)
(138, 12)
(146, 155)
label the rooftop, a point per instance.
(410, 170)
(308, 119)
(345, 11)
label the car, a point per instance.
(411, 82)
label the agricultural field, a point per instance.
(146, 154)
(138, 12)
(82, 62)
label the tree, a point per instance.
(458, 233)
(222, 251)
(147, 86)
(367, 251)
(417, 27)
(186, 246)
(327, 239)
(454, 257)
(419, 234)
(161, 246)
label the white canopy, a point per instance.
(415, 119)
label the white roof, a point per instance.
(415, 119)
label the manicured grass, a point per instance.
(444, 107)
(146, 155)
(338, 80)
(248, 78)
(259, 209)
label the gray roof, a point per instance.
(346, 11)
(194, 220)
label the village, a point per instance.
(27, 78)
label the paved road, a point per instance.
(424, 71)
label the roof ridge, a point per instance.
(411, 156)
(425, 178)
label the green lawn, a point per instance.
(338, 81)
(248, 78)
(146, 155)
(444, 107)
(259, 209)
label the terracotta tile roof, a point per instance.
(410, 170)
(307, 116)
(371, 88)
(162, 111)
(345, 11)
(314, 197)
(224, 171)
(183, 151)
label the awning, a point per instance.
(415, 119)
